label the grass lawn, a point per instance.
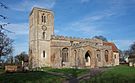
(39, 76)
(119, 74)
(1, 70)
(30, 77)
(69, 71)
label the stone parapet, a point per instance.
(58, 37)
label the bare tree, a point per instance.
(6, 46)
(10, 60)
(2, 25)
(21, 57)
(132, 49)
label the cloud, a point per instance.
(20, 36)
(123, 44)
(19, 29)
(27, 5)
(88, 24)
(119, 7)
(83, 26)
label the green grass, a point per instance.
(40, 76)
(30, 77)
(68, 71)
(119, 74)
(1, 71)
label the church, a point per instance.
(49, 50)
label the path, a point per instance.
(72, 79)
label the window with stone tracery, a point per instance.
(106, 55)
(98, 55)
(65, 55)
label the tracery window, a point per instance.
(43, 18)
(98, 55)
(65, 55)
(106, 55)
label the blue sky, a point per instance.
(114, 19)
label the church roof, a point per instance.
(114, 48)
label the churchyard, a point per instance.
(118, 74)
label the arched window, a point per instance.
(115, 56)
(44, 35)
(75, 52)
(65, 55)
(106, 55)
(43, 18)
(43, 54)
(98, 55)
(75, 55)
(87, 56)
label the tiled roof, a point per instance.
(114, 48)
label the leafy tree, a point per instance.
(100, 37)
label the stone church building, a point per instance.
(49, 50)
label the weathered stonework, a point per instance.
(49, 50)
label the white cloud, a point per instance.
(19, 35)
(123, 44)
(17, 29)
(87, 25)
(83, 26)
(27, 5)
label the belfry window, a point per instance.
(43, 18)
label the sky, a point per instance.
(113, 19)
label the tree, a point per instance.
(6, 46)
(21, 57)
(2, 25)
(132, 49)
(10, 60)
(101, 37)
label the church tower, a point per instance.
(41, 27)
